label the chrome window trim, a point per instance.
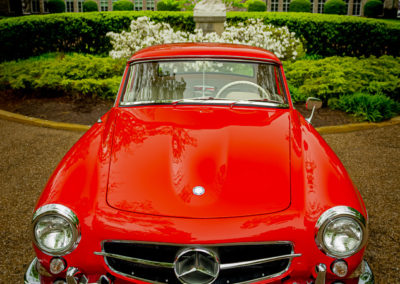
(205, 57)
(335, 213)
(68, 215)
(200, 246)
(208, 102)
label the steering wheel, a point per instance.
(266, 95)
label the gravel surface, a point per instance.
(29, 154)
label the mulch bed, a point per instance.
(88, 110)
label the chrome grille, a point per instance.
(153, 262)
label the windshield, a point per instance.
(178, 81)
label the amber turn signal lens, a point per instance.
(339, 267)
(57, 265)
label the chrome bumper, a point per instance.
(365, 275)
(32, 275)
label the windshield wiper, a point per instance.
(206, 98)
(266, 100)
(275, 103)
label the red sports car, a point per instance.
(203, 172)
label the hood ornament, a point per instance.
(198, 190)
(196, 266)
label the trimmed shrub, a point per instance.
(168, 5)
(330, 35)
(123, 5)
(373, 8)
(367, 107)
(300, 6)
(90, 6)
(56, 6)
(337, 76)
(60, 74)
(256, 6)
(325, 35)
(337, 7)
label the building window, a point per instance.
(103, 5)
(286, 4)
(321, 6)
(357, 8)
(69, 6)
(274, 5)
(80, 5)
(150, 5)
(35, 4)
(45, 6)
(312, 5)
(138, 5)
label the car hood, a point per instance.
(239, 156)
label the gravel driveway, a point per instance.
(29, 154)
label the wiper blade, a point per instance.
(206, 98)
(266, 100)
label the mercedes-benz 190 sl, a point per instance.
(202, 172)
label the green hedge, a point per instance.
(63, 74)
(23, 37)
(337, 76)
(336, 80)
(331, 35)
(367, 107)
(326, 35)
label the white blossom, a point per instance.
(144, 32)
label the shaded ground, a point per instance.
(87, 111)
(29, 154)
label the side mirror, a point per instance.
(313, 104)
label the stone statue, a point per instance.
(206, 8)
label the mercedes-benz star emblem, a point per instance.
(196, 266)
(198, 190)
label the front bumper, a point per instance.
(73, 275)
(32, 275)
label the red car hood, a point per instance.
(240, 156)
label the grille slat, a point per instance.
(119, 255)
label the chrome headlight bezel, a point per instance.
(66, 214)
(334, 214)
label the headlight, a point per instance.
(341, 231)
(55, 229)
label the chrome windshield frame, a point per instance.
(191, 101)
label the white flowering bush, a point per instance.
(144, 32)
